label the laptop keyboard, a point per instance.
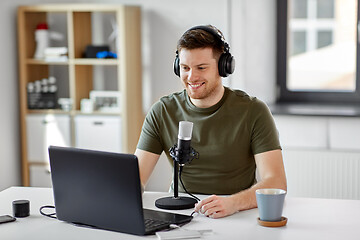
(155, 224)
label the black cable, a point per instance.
(50, 215)
(192, 214)
(182, 184)
(53, 215)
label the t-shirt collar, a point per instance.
(209, 109)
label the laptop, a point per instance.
(102, 190)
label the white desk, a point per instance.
(307, 219)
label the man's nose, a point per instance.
(193, 75)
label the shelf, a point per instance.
(39, 164)
(47, 111)
(72, 112)
(78, 7)
(76, 77)
(98, 113)
(77, 61)
(43, 62)
(94, 61)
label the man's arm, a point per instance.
(272, 175)
(147, 161)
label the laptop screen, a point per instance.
(97, 188)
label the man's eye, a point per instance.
(202, 68)
(185, 68)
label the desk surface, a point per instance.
(308, 218)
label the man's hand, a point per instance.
(216, 206)
(272, 175)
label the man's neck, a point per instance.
(211, 100)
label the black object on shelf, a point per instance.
(91, 51)
(42, 100)
(42, 94)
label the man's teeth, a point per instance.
(195, 85)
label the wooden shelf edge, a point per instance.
(72, 112)
(40, 163)
(94, 61)
(43, 62)
(76, 61)
(75, 7)
(47, 111)
(97, 113)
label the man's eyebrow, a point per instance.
(201, 64)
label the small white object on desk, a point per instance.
(181, 233)
(178, 234)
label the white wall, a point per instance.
(9, 120)
(248, 25)
(253, 35)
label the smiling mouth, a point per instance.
(195, 85)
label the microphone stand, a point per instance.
(178, 202)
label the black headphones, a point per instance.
(226, 64)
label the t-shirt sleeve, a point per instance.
(150, 139)
(264, 134)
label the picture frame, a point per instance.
(106, 101)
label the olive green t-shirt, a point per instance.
(226, 135)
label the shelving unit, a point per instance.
(77, 20)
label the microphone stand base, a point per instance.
(172, 203)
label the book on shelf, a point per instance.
(56, 54)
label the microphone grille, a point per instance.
(185, 130)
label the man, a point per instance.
(233, 132)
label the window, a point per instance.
(317, 51)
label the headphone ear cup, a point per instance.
(177, 66)
(222, 65)
(226, 64)
(230, 64)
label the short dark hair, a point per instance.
(199, 38)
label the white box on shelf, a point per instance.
(98, 132)
(44, 130)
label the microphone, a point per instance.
(182, 153)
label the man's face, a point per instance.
(199, 73)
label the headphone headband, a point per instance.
(215, 34)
